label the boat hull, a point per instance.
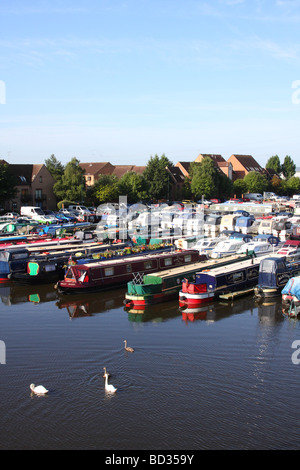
(194, 300)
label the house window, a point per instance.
(41, 179)
(38, 194)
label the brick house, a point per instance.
(94, 170)
(34, 184)
(243, 164)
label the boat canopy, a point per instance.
(292, 287)
(268, 270)
(241, 236)
(244, 221)
(268, 238)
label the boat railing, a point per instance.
(138, 278)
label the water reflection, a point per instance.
(83, 306)
(17, 294)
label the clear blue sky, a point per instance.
(123, 80)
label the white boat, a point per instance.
(206, 245)
(258, 248)
(226, 248)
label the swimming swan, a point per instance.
(128, 348)
(39, 390)
(108, 387)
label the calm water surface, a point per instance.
(219, 378)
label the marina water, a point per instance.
(219, 378)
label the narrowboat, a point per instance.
(51, 267)
(163, 286)
(291, 297)
(210, 284)
(12, 261)
(101, 275)
(274, 273)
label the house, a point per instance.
(34, 185)
(94, 170)
(219, 162)
(243, 164)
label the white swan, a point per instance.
(108, 387)
(39, 390)
(128, 348)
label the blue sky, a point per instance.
(123, 80)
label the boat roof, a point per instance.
(236, 266)
(191, 267)
(129, 259)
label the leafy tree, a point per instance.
(288, 167)
(256, 182)
(239, 187)
(71, 185)
(157, 178)
(208, 181)
(106, 189)
(133, 186)
(276, 185)
(274, 164)
(8, 183)
(203, 176)
(293, 185)
(55, 167)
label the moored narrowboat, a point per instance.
(163, 286)
(274, 273)
(210, 284)
(107, 274)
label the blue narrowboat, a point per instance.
(274, 273)
(210, 284)
(12, 261)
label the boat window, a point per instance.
(109, 271)
(188, 258)
(19, 256)
(128, 268)
(168, 262)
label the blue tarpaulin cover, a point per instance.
(292, 287)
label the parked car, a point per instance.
(12, 215)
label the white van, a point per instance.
(254, 196)
(35, 213)
(82, 209)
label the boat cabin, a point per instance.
(226, 248)
(244, 224)
(290, 248)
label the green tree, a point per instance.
(8, 184)
(256, 182)
(274, 164)
(293, 185)
(157, 178)
(239, 187)
(203, 177)
(106, 189)
(133, 186)
(71, 185)
(288, 167)
(208, 181)
(55, 167)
